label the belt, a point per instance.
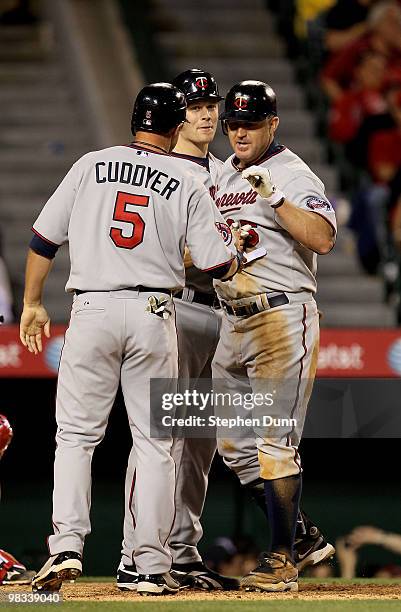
(279, 299)
(189, 295)
(140, 289)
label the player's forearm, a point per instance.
(392, 541)
(37, 269)
(348, 568)
(307, 228)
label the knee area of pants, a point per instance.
(277, 467)
(72, 439)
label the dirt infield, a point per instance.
(105, 591)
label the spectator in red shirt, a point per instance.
(363, 99)
(384, 37)
(345, 22)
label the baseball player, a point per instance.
(198, 326)
(11, 570)
(270, 330)
(127, 212)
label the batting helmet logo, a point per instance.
(201, 83)
(241, 103)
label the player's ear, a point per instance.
(275, 123)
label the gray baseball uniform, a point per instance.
(198, 329)
(127, 213)
(278, 344)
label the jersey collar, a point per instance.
(201, 161)
(133, 145)
(272, 150)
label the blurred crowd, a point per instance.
(350, 53)
(233, 557)
(6, 295)
(12, 13)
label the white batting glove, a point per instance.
(261, 180)
(244, 229)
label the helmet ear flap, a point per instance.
(224, 127)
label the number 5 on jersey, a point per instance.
(134, 219)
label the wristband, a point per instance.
(279, 203)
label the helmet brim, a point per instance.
(249, 117)
(196, 98)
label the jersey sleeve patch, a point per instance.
(318, 204)
(225, 232)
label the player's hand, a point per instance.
(260, 179)
(239, 237)
(34, 320)
(241, 234)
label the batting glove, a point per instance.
(261, 180)
(244, 229)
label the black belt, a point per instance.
(140, 289)
(208, 299)
(250, 309)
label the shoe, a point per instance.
(19, 576)
(312, 548)
(12, 571)
(58, 569)
(198, 576)
(275, 573)
(127, 577)
(157, 584)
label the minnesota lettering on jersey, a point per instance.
(236, 199)
(137, 175)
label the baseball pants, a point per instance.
(273, 351)
(111, 337)
(198, 329)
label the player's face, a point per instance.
(250, 140)
(201, 124)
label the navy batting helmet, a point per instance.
(250, 101)
(198, 85)
(158, 108)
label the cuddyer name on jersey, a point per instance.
(136, 175)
